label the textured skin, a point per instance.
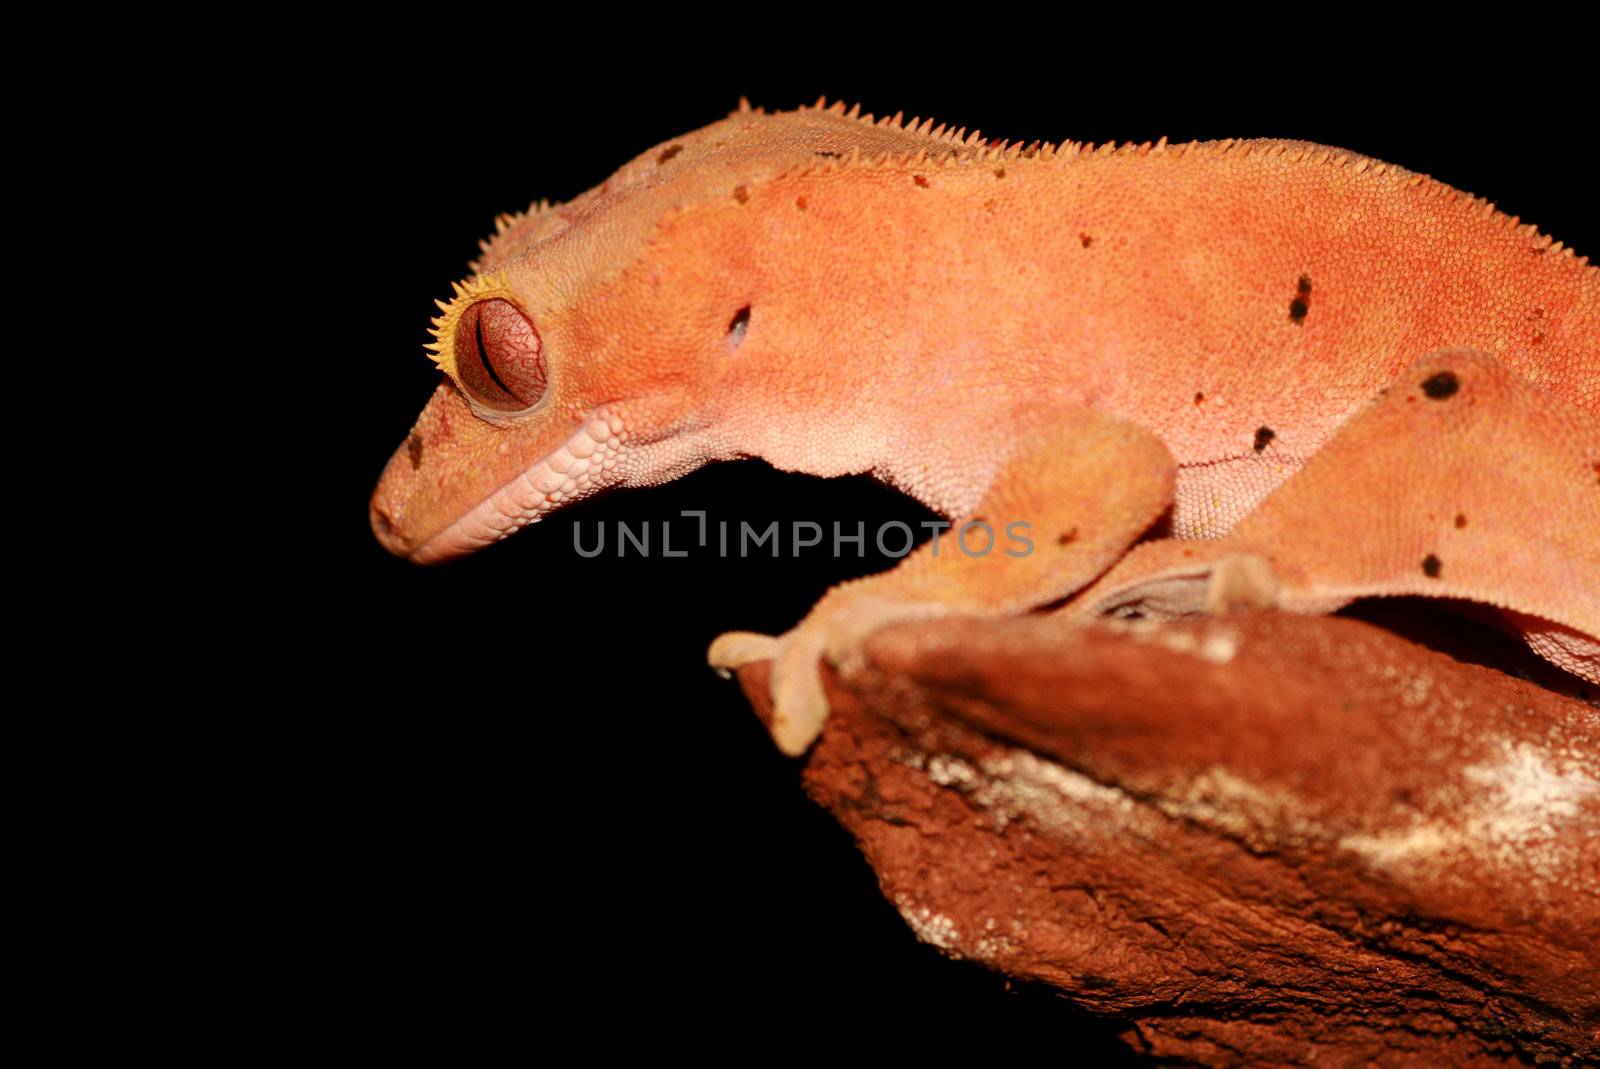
(917, 298)
(1483, 454)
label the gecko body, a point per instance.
(1079, 338)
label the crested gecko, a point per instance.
(1317, 376)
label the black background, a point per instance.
(528, 805)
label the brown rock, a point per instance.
(1267, 840)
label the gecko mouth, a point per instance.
(584, 464)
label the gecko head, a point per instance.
(547, 401)
(584, 353)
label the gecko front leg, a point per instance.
(1073, 492)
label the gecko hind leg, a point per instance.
(1462, 480)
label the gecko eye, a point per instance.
(497, 356)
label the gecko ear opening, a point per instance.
(498, 357)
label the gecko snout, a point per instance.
(386, 531)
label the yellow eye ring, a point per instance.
(442, 349)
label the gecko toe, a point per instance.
(1241, 582)
(733, 650)
(799, 702)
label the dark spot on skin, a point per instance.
(1199, 398)
(1441, 385)
(738, 326)
(1302, 301)
(1085, 240)
(1461, 520)
(920, 180)
(1092, 982)
(988, 205)
(414, 451)
(741, 194)
(1263, 436)
(1537, 251)
(667, 154)
(999, 172)
(829, 155)
(1431, 566)
(1066, 538)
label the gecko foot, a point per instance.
(836, 630)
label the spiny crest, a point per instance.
(469, 291)
(1542, 243)
(510, 229)
(937, 132)
(981, 148)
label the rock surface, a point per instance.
(1266, 840)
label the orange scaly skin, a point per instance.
(1066, 335)
(1494, 452)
